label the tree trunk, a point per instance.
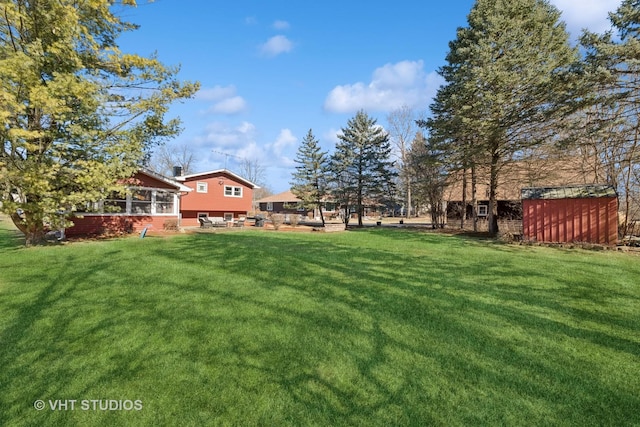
(346, 215)
(321, 214)
(474, 198)
(33, 230)
(360, 208)
(408, 215)
(493, 205)
(463, 215)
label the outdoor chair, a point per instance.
(239, 223)
(205, 222)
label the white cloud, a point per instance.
(586, 14)
(284, 140)
(281, 25)
(331, 136)
(216, 93)
(224, 135)
(224, 145)
(224, 98)
(252, 151)
(391, 86)
(276, 45)
(232, 105)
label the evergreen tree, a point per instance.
(361, 164)
(309, 182)
(509, 73)
(611, 126)
(78, 114)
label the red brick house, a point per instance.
(215, 194)
(152, 201)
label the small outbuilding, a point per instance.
(574, 213)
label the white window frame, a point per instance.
(129, 204)
(202, 187)
(228, 217)
(269, 206)
(483, 210)
(234, 191)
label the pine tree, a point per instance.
(611, 127)
(510, 73)
(362, 164)
(309, 182)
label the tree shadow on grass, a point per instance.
(285, 329)
(10, 237)
(474, 324)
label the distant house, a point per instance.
(283, 203)
(512, 178)
(576, 213)
(288, 203)
(151, 201)
(218, 193)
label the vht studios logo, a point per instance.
(88, 405)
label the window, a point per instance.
(231, 191)
(269, 206)
(201, 187)
(164, 202)
(483, 210)
(90, 207)
(141, 202)
(115, 203)
(293, 205)
(228, 217)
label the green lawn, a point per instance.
(377, 327)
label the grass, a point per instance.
(372, 327)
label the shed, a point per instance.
(574, 213)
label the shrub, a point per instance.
(294, 220)
(171, 225)
(506, 237)
(277, 220)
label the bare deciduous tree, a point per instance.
(402, 128)
(168, 156)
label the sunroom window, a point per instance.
(141, 202)
(164, 202)
(115, 203)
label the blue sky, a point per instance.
(272, 70)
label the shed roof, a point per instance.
(569, 192)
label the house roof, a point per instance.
(166, 180)
(569, 192)
(556, 172)
(284, 197)
(217, 172)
